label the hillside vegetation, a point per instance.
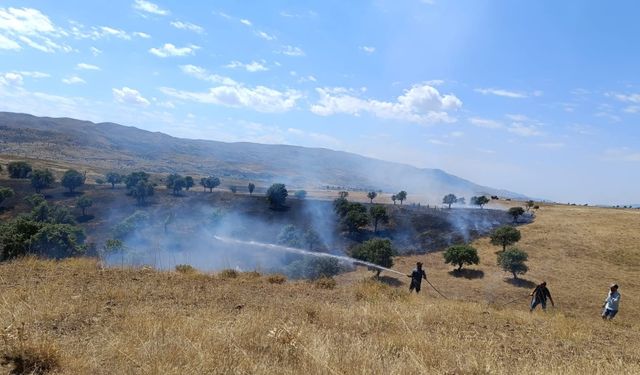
(75, 317)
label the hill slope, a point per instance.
(108, 146)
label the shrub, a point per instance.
(19, 169)
(516, 212)
(277, 278)
(30, 356)
(185, 269)
(325, 283)
(300, 194)
(460, 255)
(137, 220)
(277, 195)
(228, 274)
(5, 193)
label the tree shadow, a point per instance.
(521, 283)
(84, 218)
(467, 273)
(391, 281)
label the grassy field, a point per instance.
(75, 317)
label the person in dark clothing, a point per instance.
(540, 295)
(416, 278)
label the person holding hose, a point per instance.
(416, 278)
(540, 295)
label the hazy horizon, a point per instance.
(532, 98)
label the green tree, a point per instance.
(460, 255)
(341, 206)
(311, 238)
(58, 241)
(277, 195)
(100, 181)
(19, 169)
(513, 260)
(176, 183)
(461, 201)
(300, 194)
(15, 237)
(113, 178)
(83, 203)
(529, 204)
(343, 194)
(251, 187)
(377, 251)
(141, 191)
(505, 236)
(449, 199)
(378, 215)
(113, 246)
(41, 179)
(210, 183)
(479, 201)
(372, 195)
(394, 198)
(290, 236)
(356, 217)
(34, 199)
(516, 212)
(188, 183)
(132, 179)
(233, 189)
(72, 180)
(5, 193)
(402, 195)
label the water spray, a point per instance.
(305, 252)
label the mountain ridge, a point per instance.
(112, 146)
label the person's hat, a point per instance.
(614, 285)
(419, 263)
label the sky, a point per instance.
(537, 97)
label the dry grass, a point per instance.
(89, 320)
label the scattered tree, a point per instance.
(251, 187)
(5, 193)
(377, 251)
(516, 212)
(479, 201)
(311, 238)
(300, 194)
(176, 183)
(290, 236)
(402, 195)
(513, 260)
(100, 181)
(83, 203)
(41, 179)
(356, 217)
(19, 169)
(529, 204)
(72, 180)
(131, 180)
(461, 201)
(449, 199)
(372, 195)
(341, 206)
(58, 241)
(113, 178)
(394, 198)
(142, 190)
(113, 246)
(343, 194)
(505, 236)
(460, 255)
(277, 195)
(233, 189)
(210, 183)
(378, 215)
(188, 183)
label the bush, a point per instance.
(377, 251)
(19, 169)
(505, 236)
(460, 255)
(516, 212)
(325, 283)
(277, 278)
(185, 269)
(137, 220)
(277, 195)
(228, 274)
(512, 260)
(311, 267)
(5, 193)
(300, 194)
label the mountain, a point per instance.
(109, 146)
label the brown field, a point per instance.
(74, 317)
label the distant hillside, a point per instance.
(109, 146)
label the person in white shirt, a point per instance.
(612, 303)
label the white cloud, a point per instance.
(253, 66)
(170, 50)
(95, 51)
(456, 134)
(149, 7)
(233, 94)
(6, 43)
(73, 80)
(622, 154)
(551, 145)
(503, 93)
(142, 35)
(10, 79)
(524, 130)
(188, 26)
(632, 109)
(265, 36)
(627, 98)
(368, 49)
(35, 74)
(420, 104)
(245, 22)
(439, 142)
(202, 74)
(127, 95)
(485, 123)
(85, 66)
(291, 51)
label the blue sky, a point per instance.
(538, 97)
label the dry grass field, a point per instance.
(74, 317)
